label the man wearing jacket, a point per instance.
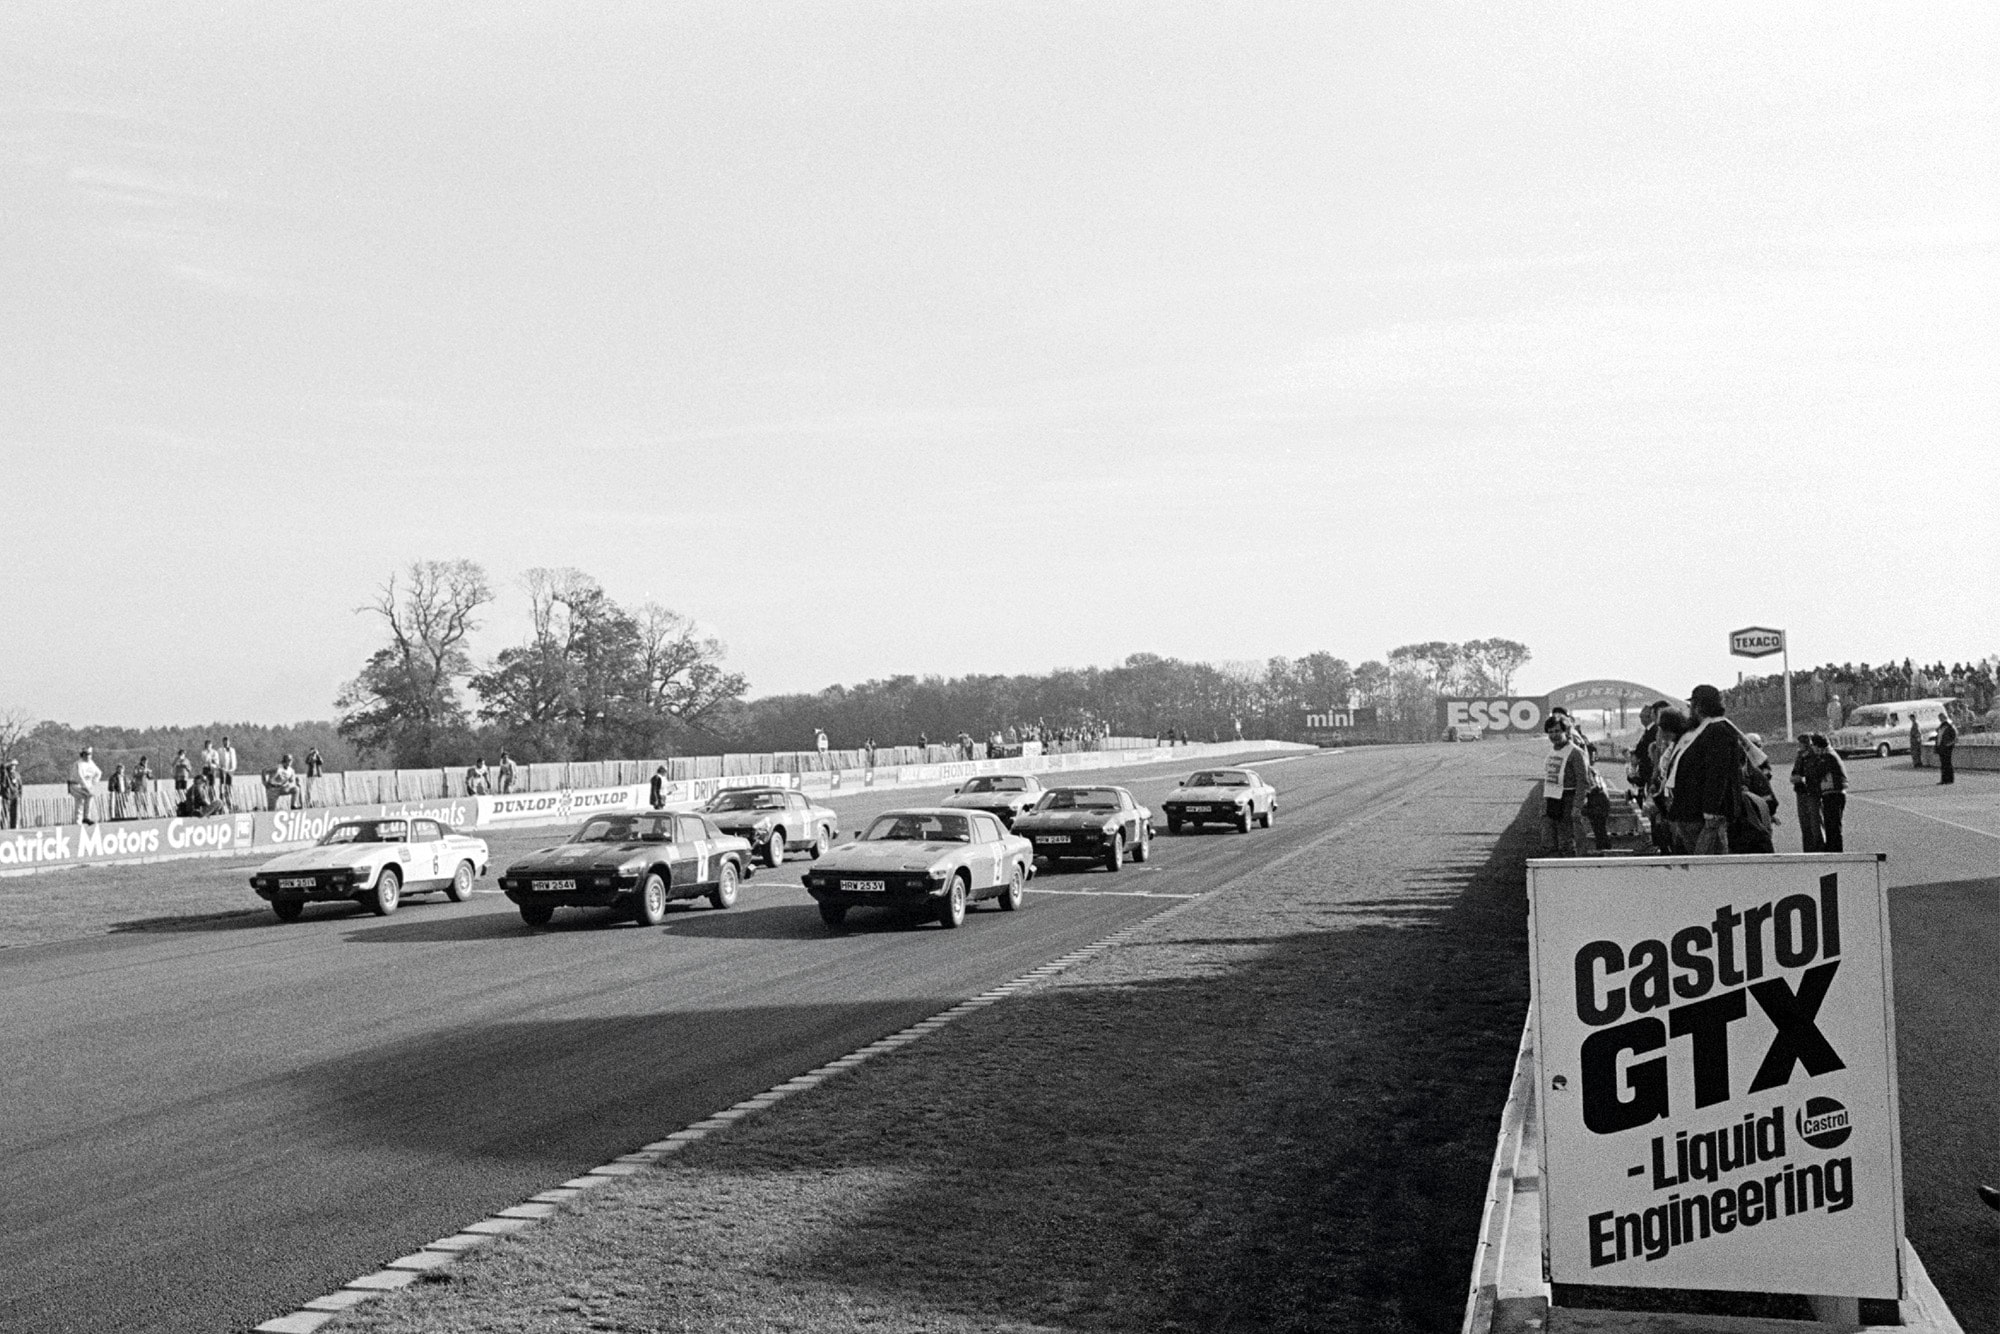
(1565, 779)
(1703, 778)
(1947, 737)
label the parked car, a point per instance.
(374, 863)
(1004, 795)
(1221, 796)
(634, 864)
(1098, 823)
(1884, 728)
(931, 860)
(775, 820)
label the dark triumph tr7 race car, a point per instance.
(1098, 823)
(634, 864)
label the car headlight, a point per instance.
(936, 874)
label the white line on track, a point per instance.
(1890, 805)
(1114, 893)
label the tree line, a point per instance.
(594, 679)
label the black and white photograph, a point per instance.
(999, 667)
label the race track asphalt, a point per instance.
(206, 1126)
(208, 1121)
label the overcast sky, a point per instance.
(987, 337)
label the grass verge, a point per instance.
(1270, 1110)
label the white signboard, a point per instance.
(1756, 642)
(1716, 1040)
(528, 808)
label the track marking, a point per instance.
(1890, 805)
(1115, 893)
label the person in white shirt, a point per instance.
(83, 778)
(226, 770)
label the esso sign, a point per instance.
(1756, 642)
(1514, 714)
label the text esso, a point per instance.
(1495, 715)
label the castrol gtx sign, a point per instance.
(1714, 1042)
(1509, 713)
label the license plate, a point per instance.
(306, 883)
(1052, 838)
(864, 886)
(555, 886)
(1201, 810)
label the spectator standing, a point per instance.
(1703, 778)
(507, 767)
(1597, 809)
(819, 744)
(84, 776)
(10, 794)
(226, 771)
(142, 789)
(1947, 739)
(1832, 793)
(211, 758)
(114, 793)
(476, 784)
(183, 772)
(1806, 768)
(1916, 743)
(1565, 778)
(658, 792)
(315, 765)
(1835, 714)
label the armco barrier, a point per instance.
(49, 847)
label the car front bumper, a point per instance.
(325, 886)
(589, 892)
(898, 890)
(1207, 812)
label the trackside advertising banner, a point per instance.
(561, 807)
(1716, 1049)
(279, 828)
(1518, 714)
(125, 840)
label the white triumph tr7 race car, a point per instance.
(927, 861)
(374, 863)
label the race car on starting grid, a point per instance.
(374, 863)
(633, 864)
(930, 861)
(1221, 796)
(1095, 823)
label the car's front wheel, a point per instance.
(651, 909)
(1173, 825)
(388, 892)
(538, 914)
(1010, 897)
(774, 848)
(1243, 820)
(724, 893)
(951, 909)
(833, 914)
(1270, 814)
(288, 910)
(461, 883)
(821, 842)
(1114, 856)
(1142, 851)
(1882, 751)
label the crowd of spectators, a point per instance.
(1973, 684)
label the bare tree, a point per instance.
(15, 724)
(405, 700)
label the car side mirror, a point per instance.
(1182, 783)
(955, 791)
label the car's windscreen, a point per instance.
(367, 831)
(1868, 718)
(907, 827)
(1080, 799)
(625, 829)
(1219, 778)
(747, 801)
(1001, 784)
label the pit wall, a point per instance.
(242, 833)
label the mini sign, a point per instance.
(1716, 1048)
(1756, 642)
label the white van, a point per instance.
(1884, 728)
